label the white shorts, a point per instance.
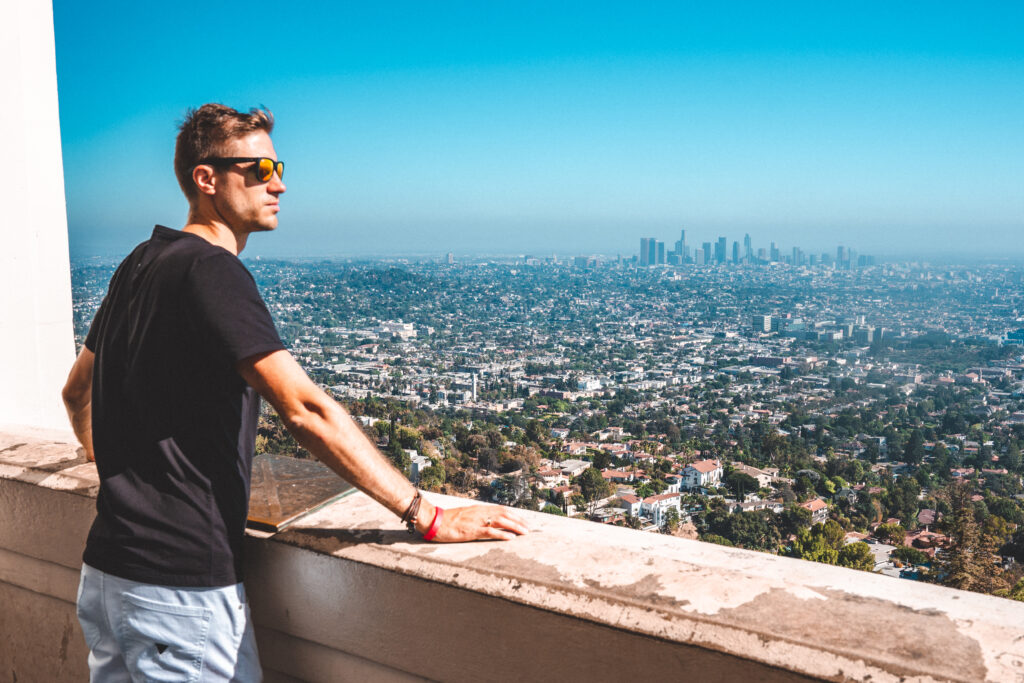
(143, 632)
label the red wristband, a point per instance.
(435, 525)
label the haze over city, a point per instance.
(575, 129)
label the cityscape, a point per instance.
(834, 409)
(652, 253)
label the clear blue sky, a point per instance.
(532, 127)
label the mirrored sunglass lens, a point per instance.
(280, 170)
(265, 169)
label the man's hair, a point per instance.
(205, 133)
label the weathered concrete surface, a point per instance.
(822, 621)
(348, 590)
(41, 639)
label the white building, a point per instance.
(418, 464)
(574, 468)
(656, 507)
(398, 329)
(702, 473)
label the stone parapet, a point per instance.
(347, 593)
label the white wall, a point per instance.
(36, 335)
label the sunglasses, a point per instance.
(264, 167)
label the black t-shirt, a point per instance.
(174, 425)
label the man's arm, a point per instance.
(322, 426)
(77, 395)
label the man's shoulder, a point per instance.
(189, 251)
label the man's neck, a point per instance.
(217, 233)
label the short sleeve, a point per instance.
(227, 306)
(92, 339)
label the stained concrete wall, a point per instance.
(347, 594)
(35, 281)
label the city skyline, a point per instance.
(653, 252)
(521, 128)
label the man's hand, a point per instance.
(472, 523)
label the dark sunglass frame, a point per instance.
(277, 166)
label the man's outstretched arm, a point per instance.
(77, 395)
(322, 426)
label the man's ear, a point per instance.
(205, 179)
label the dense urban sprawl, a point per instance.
(870, 417)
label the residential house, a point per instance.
(574, 468)
(656, 507)
(702, 473)
(630, 504)
(818, 508)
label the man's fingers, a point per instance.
(510, 523)
(498, 534)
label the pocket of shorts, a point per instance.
(164, 642)
(89, 608)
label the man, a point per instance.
(164, 393)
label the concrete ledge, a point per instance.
(346, 593)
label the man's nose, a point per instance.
(277, 185)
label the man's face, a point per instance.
(244, 202)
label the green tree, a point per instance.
(1011, 460)
(913, 452)
(968, 563)
(891, 533)
(741, 483)
(671, 522)
(857, 556)
(1016, 592)
(399, 457)
(909, 555)
(432, 478)
(643, 490)
(811, 544)
(553, 510)
(794, 518)
(593, 486)
(715, 538)
(537, 432)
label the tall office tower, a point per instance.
(798, 256)
(735, 252)
(720, 250)
(706, 248)
(762, 254)
(451, 258)
(660, 253)
(679, 247)
(774, 253)
(841, 255)
(648, 251)
(851, 259)
(762, 323)
(643, 250)
(686, 253)
(682, 240)
(814, 259)
(698, 255)
(748, 250)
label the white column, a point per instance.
(36, 334)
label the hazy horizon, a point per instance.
(574, 128)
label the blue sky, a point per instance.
(532, 127)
